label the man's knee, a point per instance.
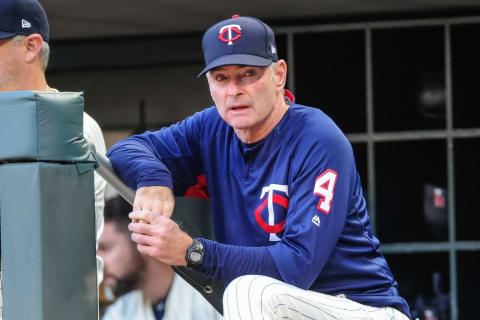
(241, 288)
(242, 281)
(253, 286)
(253, 295)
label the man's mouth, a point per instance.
(238, 107)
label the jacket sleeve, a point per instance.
(318, 204)
(167, 157)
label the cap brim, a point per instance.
(237, 59)
(6, 35)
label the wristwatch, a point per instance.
(194, 256)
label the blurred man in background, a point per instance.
(148, 289)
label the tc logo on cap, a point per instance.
(228, 31)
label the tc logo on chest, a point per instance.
(273, 195)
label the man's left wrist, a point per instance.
(195, 254)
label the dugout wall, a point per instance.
(47, 208)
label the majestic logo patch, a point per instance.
(316, 220)
(226, 33)
(26, 24)
(272, 198)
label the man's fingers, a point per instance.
(149, 246)
(142, 239)
(158, 229)
(136, 206)
(144, 216)
(137, 214)
(142, 228)
(163, 240)
(146, 250)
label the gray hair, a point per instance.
(272, 70)
(44, 52)
(44, 55)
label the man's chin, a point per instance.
(241, 123)
(124, 286)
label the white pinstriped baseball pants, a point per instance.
(255, 297)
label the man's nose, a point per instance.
(234, 88)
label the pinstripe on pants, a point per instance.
(255, 297)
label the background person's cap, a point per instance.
(239, 41)
(22, 17)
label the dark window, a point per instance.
(330, 75)
(465, 73)
(423, 280)
(408, 175)
(467, 188)
(360, 153)
(468, 284)
(408, 78)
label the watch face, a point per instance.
(195, 256)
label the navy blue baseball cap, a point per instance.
(239, 41)
(23, 17)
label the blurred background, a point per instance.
(399, 77)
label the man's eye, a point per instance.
(220, 77)
(250, 73)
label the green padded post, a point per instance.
(47, 208)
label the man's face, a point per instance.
(122, 262)
(10, 63)
(244, 95)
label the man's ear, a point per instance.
(33, 44)
(281, 73)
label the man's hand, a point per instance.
(156, 199)
(160, 237)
